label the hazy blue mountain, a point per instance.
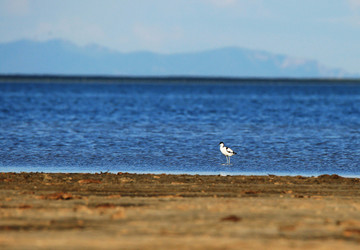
(61, 57)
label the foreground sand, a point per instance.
(132, 211)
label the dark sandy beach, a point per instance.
(135, 211)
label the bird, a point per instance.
(226, 151)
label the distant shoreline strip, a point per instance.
(48, 78)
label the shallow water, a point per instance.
(283, 129)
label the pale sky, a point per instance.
(325, 30)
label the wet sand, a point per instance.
(135, 211)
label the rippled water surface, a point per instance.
(276, 129)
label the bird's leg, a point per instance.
(229, 160)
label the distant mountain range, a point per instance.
(61, 57)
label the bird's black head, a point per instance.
(221, 143)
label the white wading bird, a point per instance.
(226, 151)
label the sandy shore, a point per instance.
(133, 211)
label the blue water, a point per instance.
(284, 129)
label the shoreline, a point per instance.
(244, 174)
(161, 211)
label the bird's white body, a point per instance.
(227, 152)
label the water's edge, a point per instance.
(186, 173)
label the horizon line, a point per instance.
(7, 78)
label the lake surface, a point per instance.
(285, 129)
